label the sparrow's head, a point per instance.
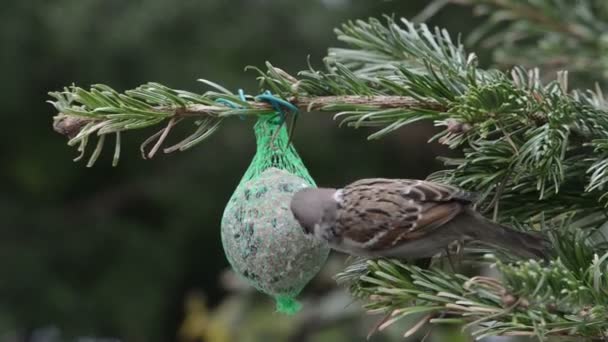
(308, 206)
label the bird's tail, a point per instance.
(523, 244)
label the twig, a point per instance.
(67, 124)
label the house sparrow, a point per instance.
(402, 218)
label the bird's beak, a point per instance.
(304, 228)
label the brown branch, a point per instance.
(381, 102)
(70, 125)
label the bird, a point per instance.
(403, 218)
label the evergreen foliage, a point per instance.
(554, 34)
(536, 150)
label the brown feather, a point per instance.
(386, 212)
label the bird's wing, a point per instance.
(419, 190)
(380, 214)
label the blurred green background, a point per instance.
(133, 253)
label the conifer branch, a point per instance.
(537, 152)
(102, 110)
(531, 300)
(546, 14)
(547, 33)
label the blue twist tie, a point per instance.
(278, 105)
(242, 95)
(231, 104)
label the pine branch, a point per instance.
(554, 34)
(566, 297)
(102, 110)
(547, 14)
(378, 47)
(514, 129)
(536, 151)
(532, 299)
(531, 138)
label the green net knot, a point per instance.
(288, 305)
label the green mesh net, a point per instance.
(262, 240)
(273, 149)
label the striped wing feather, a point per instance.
(382, 213)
